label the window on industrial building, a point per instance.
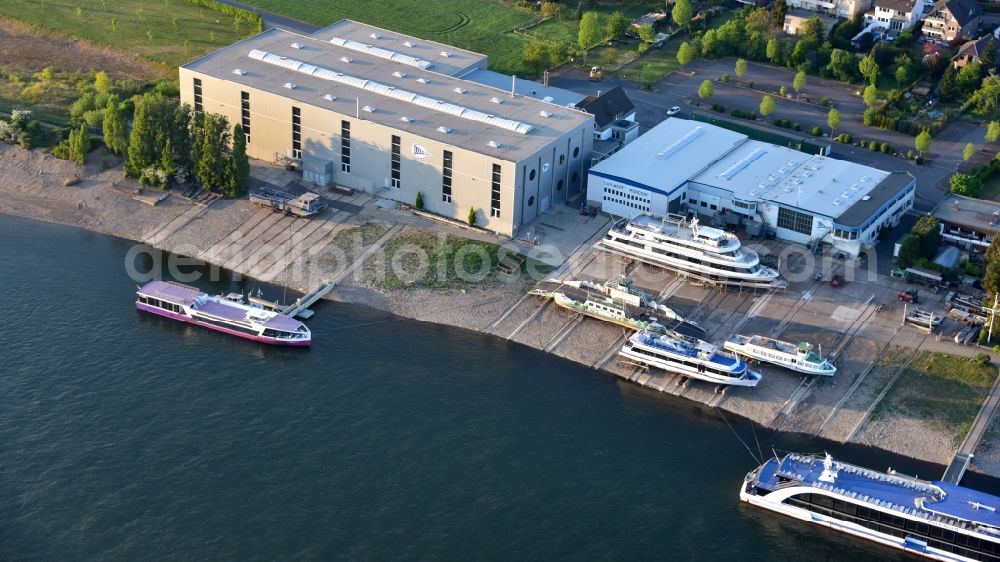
(576, 152)
(845, 234)
(345, 147)
(795, 221)
(245, 108)
(495, 193)
(562, 159)
(395, 162)
(197, 95)
(531, 176)
(296, 133)
(446, 177)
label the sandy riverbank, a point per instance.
(31, 186)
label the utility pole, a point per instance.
(993, 314)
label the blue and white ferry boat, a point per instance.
(689, 357)
(937, 520)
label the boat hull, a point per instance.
(799, 368)
(687, 372)
(842, 526)
(224, 330)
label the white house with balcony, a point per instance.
(894, 15)
(839, 8)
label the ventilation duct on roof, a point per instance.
(381, 53)
(403, 95)
(679, 143)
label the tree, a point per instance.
(685, 54)
(902, 74)
(812, 32)
(646, 33)
(552, 10)
(968, 151)
(967, 185)
(79, 144)
(842, 65)
(705, 90)
(102, 83)
(682, 13)
(991, 278)
(985, 99)
(870, 95)
(993, 131)
(648, 75)
(115, 127)
(741, 68)
(778, 11)
(799, 82)
(238, 179)
(923, 142)
(536, 54)
(590, 30)
(766, 106)
(969, 78)
(211, 141)
(617, 25)
(948, 86)
(833, 119)
(709, 43)
(773, 51)
(988, 58)
(869, 69)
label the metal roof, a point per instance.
(325, 74)
(975, 214)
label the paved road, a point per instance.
(681, 89)
(275, 20)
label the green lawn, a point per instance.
(154, 29)
(945, 390)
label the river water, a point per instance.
(131, 437)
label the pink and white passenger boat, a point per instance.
(228, 314)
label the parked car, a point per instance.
(909, 295)
(673, 110)
(836, 280)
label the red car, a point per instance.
(908, 295)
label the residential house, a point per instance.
(895, 15)
(972, 51)
(967, 222)
(614, 121)
(836, 8)
(796, 19)
(952, 19)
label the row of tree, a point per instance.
(168, 142)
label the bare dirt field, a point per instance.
(29, 50)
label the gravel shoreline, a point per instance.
(31, 186)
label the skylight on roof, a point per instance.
(407, 43)
(399, 74)
(460, 90)
(545, 114)
(496, 100)
(348, 60)
(444, 130)
(368, 108)
(329, 97)
(423, 81)
(289, 85)
(406, 119)
(494, 144)
(549, 99)
(375, 36)
(239, 72)
(445, 54)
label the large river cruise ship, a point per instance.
(937, 520)
(223, 314)
(702, 253)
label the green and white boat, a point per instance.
(800, 357)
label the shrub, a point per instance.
(750, 84)
(419, 203)
(919, 160)
(886, 148)
(718, 107)
(996, 349)
(873, 146)
(825, 101)
(982, 359)
(778, 122)
(783, 91)
(725, 78)
(472, 216)
(909, 155)
(798, 127)
(816, 131)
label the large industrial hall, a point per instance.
(683, 166)
(392, 115)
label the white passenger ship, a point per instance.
(703, 253)
(228, 314)
(689, 357)
(797, 357)
(937, 520)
